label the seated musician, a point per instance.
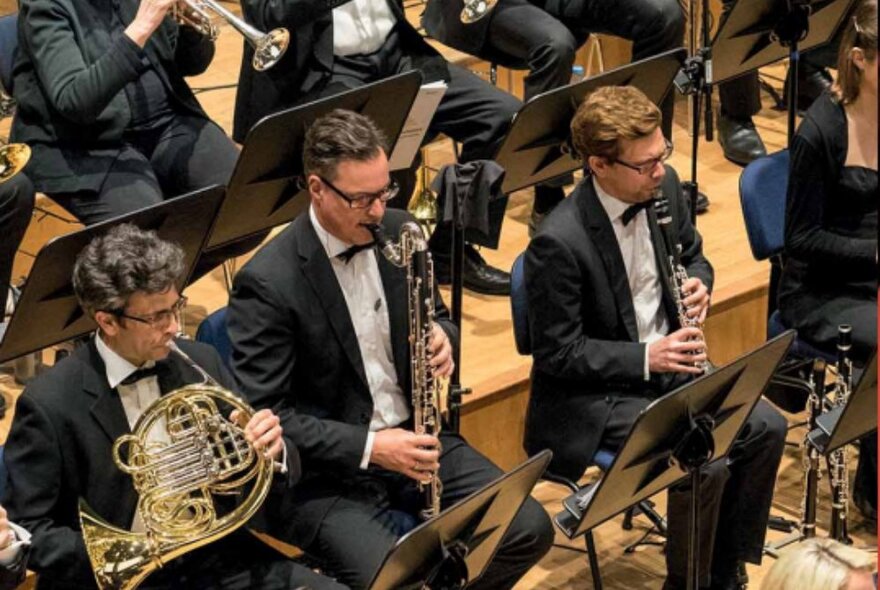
(830, 272)
(544, 35)
(337, 45)
(103, 104)
(319, 328)
(60, 445)
(607, 338)
(14, 548)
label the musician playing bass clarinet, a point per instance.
(103, 104)
(607, 338)
(319, 326)
(60, 446)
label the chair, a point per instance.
(8, 48)
(519, 306)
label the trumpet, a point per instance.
(13, 158)
(268, 47)
(474, 10)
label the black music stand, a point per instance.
(855, 420)
(538, 146)
(673, 438)
(48, 311)
(452, 550)
(264, 190)
(759, 32)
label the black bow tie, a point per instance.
(633, 210)
(347, 255)
(139, 375)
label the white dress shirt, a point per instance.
(637, 251)
(361, 26)
(20, 539)
(364, 295)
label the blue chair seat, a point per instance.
(799, 347)
(213, 331)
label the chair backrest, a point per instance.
(762, 191)
(8, 47)
(213, 331)
(519, 306)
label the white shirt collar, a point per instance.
(116, 367)
(333, 246)
(613, 206)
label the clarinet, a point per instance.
(837, 461)
(812, 465)
(412, 253)
(677, 273)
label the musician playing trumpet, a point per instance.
(60, 446)
(607, 337)
(104, 105)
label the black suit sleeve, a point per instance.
(33, 497)
(265, 363)
(13, 574)
(561, 345)
(193, 52)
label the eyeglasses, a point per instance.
(364, 200)
(647, 167)
(159, 320)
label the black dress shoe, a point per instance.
(478, 275)
(739, 139)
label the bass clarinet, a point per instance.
(411, 252)
(838, 469)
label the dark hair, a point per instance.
(860, 31)
(124, 261)
(609, 114)
(338, 136)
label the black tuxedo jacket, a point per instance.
(12, 575)
(294, 348)
(583, 325)
(304, 71)
(59, 450)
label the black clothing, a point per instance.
(295, 349)
(59, 450)
(588, 381)
(829, 275)
(16, 206)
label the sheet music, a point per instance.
(417, 122)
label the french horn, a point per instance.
(13, 158)
(474, 10)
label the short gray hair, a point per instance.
(338, 136)
(124, 261)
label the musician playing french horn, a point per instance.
(60, 447)
(609, 335)
(319, 326)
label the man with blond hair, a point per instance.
(607, 340)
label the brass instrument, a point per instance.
(13, 158)
(677, 273)
(423, 203)
(474, 10)
(182, 452)
(268, 47)
(838, 470)
(412, 252)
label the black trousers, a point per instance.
(736, 492)
(16, 206)
(186, 154)
(357, 532)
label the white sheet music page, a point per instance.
(417, 122)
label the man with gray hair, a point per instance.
(318, 323)
(60, 447)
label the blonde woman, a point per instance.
(822, 564)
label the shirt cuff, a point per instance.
(280, 466)
(368, 450)
(11, 554)
(646, 373)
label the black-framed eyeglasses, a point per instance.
(647, 167)
(364, 200)
(159, 320)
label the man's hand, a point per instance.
(441, 352)
(678, 352)
(263, 431)
(6, 534)
(696, 299)
(148, 18)
(417, 456)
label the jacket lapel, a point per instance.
(398, 316)
(316, 267)
(599, 227)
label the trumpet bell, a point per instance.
(270, 48)
(13, 158)
(474, 10)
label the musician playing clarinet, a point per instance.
(319, 326)
(607, 338)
